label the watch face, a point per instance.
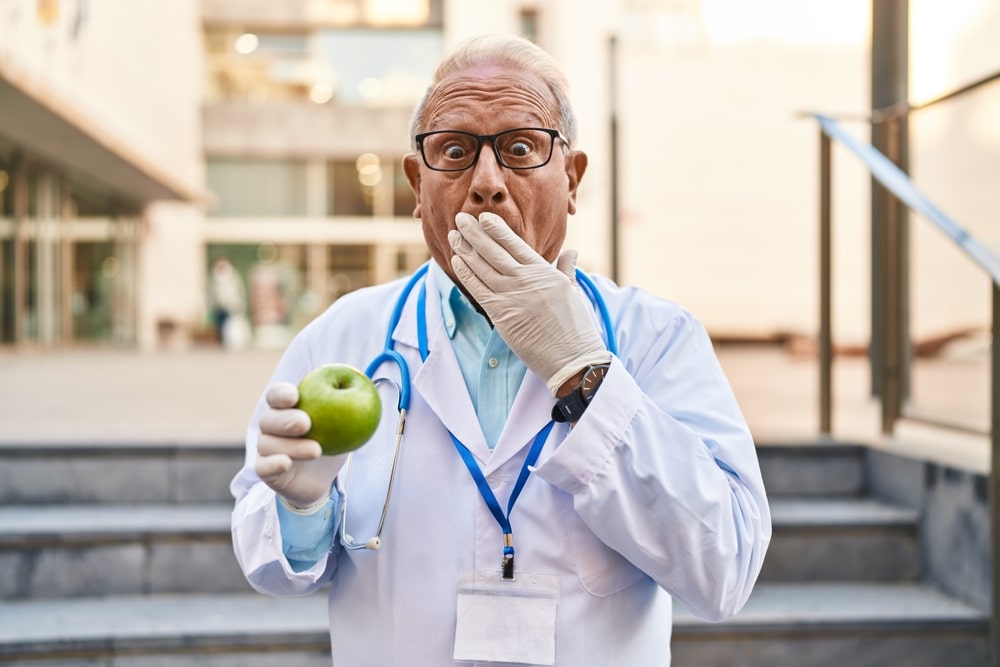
(592, 380)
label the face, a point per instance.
(534, 202)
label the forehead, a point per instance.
(490, 95)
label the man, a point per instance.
(553, 496)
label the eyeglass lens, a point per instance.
(524, 148)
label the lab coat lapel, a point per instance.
(532, 410)
(439, 382)
(439, 379)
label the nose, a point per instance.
(489, 184)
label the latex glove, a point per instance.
(287, 462)
(537, 308)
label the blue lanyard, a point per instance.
(507, 564)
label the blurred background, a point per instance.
(142, 142)
(185, 183)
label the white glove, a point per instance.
(287, 462)
(537, 308)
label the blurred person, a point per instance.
(227, 300)
(573, 458)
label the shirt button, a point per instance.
(493, 362)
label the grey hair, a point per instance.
(509, 51)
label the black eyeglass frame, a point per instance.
(482, 138)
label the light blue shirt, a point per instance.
(492, 374)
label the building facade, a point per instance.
(305, 117)
(87, 145)
(142, 141)
(305, 126)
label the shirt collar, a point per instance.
(452, 300)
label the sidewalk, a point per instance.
(206, 396)
(107, 396)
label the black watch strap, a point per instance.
(570, 407)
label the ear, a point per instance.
(576, 164)
(411, 167)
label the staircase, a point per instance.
(844, 581)
(122, 556)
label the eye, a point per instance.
(518, 144)
(519, 148)
(453, 151)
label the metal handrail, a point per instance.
(895, 368)
(896, 181)
(899, 183)
(900, 110)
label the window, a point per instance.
(350, 268)
(403, 201)
(379, 67)
(369, 185)
(348, 195)
(358, 65)
(257, 187)
(528, 18)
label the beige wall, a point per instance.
(172, 275)
(132, 68)
(719, 177)
(955, 156)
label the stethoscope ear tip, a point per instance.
(373, 544)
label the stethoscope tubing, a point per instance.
(390, 355)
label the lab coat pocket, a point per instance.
(602, 570)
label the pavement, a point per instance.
(200, 395)
(205, 395)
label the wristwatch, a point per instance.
(570, 407)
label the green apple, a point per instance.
(344, 407)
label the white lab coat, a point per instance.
(655, 493)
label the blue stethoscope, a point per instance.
(390, 355)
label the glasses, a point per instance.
(521, 148)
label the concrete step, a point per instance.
(104, 549)
(225, 630)
(806, 625)
(820, 468)
(151, 473)
(818, 625)
(82, 550)
(163, 473)
(842, 539)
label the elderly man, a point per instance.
(573, 458)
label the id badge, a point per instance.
(506, 621)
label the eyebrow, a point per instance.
(528, 120)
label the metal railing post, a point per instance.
(613, 140)
(893, 307)
(995, 479)
(825, 290)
